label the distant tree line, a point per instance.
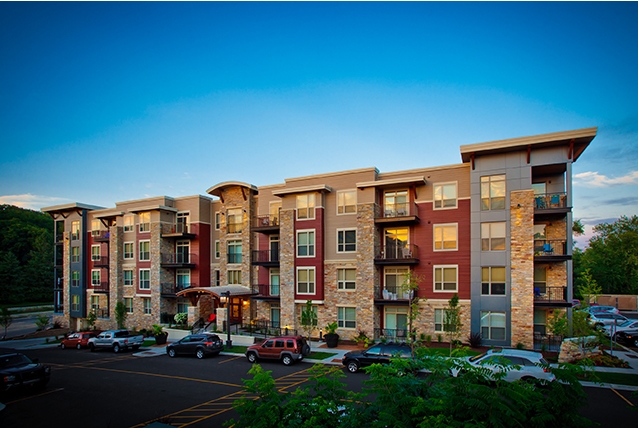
(609, 265)
(26, 256)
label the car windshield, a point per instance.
(9, 361)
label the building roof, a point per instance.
(69, 207)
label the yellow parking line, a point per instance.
(622, 397)
(35, 395)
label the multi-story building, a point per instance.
(494, 229)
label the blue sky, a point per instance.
(107, 102)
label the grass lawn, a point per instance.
(238, 349)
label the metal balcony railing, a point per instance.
(550, 294)
(177, 228)
(101, 287)
(397, 252)
(397, 210)
(391, 334)
(178, 258)
(263, 221)
(100, 235)
(266, 256)
(265, 290)
(550, 247)
(389, 292)
(172, 288)
(99, 261)
(550, 201)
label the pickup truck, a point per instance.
(117, 340)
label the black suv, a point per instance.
(380, 353)
(17, 371)
(201, 345)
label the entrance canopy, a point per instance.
(194, 293)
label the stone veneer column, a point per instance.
(522, 267)
(367, 276)
(287, 268)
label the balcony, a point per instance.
(178, 261)
(397, 254)
(265, 292)
(180, 230)
(100, 236)
(550, 296)
(550, 206)
(102, 287)
(102, 313)
(398, 213)
(391, 334)
(392, 295)
(265, 258)
(170, 289)
(266, 223)
(100, 261)
(547, 251)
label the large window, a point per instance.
(95, 302)
(394, 279)
(145, 279)
(306, 206)
(128, 304)
(182, 278)
(234, 277)
(445, 196)
(445, 278)
(147, 306)
(274, 282)
(305, 280)
(145, 250)
(128, 276)
(493, 236)
(182, 251)
(493, 281)
(347, 240)
(275, 317)
(75, 278)
(75, 230)
(234, 220)
(75, 302)
(439, 320)
(145, 222)
(396, 243)
(346, 202)
(493, 193)
(129, 222)
(234, 251)
(306, 243)
(347, 317)
(493, 325)
(129, 250)
(95, 277)
(395, 203)
(95, 252)
(346, 279)
(445, 237)
(75, 254)
(95, 227)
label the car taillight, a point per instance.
(208, 343)
(546, 370)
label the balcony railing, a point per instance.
(392, 293)
(100, 235)
(391, 334)
(265, 290)
(550, 201)
(99, 261)
(102, 313)
(178, 258)
(266, 256)
(397, 210)
(266, 221)
(102, 287)
(550, 247)
(180, 229)
(397, 252)
(550, 294)
(171, 288)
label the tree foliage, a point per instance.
(26, 255)
(612, 257)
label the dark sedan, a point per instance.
(18, 371)
(628, 337)
(199, 345)
(381, 353)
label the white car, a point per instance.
(622, 326)
(515, 363)
(601, 319)
(599, 308)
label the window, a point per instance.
(445, 237)
(396, 319)
(95, 253)
(234, 277)
(182, 251)
(128, 277)
(347, 317)
(306, 206)
(305, 280)
(346, 202)
(75, 302)
(493, 236)
(218, 252)
(95, 302)
(445, 278)
(95, 227)
(145, 279)
(306, 243)
(145, 250)
(346, 279)
(540, 281)
(75, 254)
(445, 196)
(274, 282)
(128, 304)
(217, 278)
(218, 220)
(346, 240)
(493, 281)
(147, 306)
(492, 192)
(234, 251)
(75, 278)
(182, 306)
(145, 222)
(396, 243)
(129, 222)
(95, 277)
(394, 279)
(275, 317)
(129, 250)
(181, 225)
(75, 230)
(182, 278)
(395, 203)
(234, 220)
(493, 325)
(439, 320)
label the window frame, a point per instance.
(487, 236)
(310, 246)
(75, 254)
(343, 198)
(130, 254)
(490, 282)
(443, 228)
(128, 223)
(96, 277)
(142, 281)
(342, 244)
(237, 257)
(128, 281)
(490, 326)
(442, 269)
(142, 252)
(234, 218)
(490, 188)
(439, 191)
(342, 317)
(343, 283)
(305, 202)
(144, 222)
(147, 305)
(128, 304)
(311, 282)
(233, 277)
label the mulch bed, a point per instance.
(52, 332)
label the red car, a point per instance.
(78, 340)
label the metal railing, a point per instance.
(180, 227)
(550, 294)
(397, 252)
(100, 235)
(389, 292)
(397, 210)
(549, 247)
(547, 342)
(266, 256)
(265, 221)
(266, 290)
(550, 201)
(171, 288)
(103, 286)
(177, 258)
(100, 261)
(391, 334)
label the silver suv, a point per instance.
(515, 363)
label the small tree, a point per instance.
(309, 319)
(453, 324)
(589, 288)
(5, 319)
(91, 318)
(411, 286)
(41, 322)
(120, 315)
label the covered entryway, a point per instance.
(228, 296)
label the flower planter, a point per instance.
(332, 340)
(160, 339)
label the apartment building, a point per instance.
(494, 229)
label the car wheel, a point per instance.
(352, 366)
(636, 343)
(200, 353)
(92, 347)
(287, 360)
(116, 348)
(171, 353)
(79, 346)
(305, 350)
(62, 346)
(252, 357)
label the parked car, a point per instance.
(380, 353)
(288, 349)
(601, 319)
(19, 371)
(117, 340)
(78, 340)
(523, 364)
(628, 337)
(200, 345)
(576, 304)
(623, 326)
(600, 308)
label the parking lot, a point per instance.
(103, 389)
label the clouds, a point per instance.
(596, 180)
(30, 201)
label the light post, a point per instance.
(229, 342)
